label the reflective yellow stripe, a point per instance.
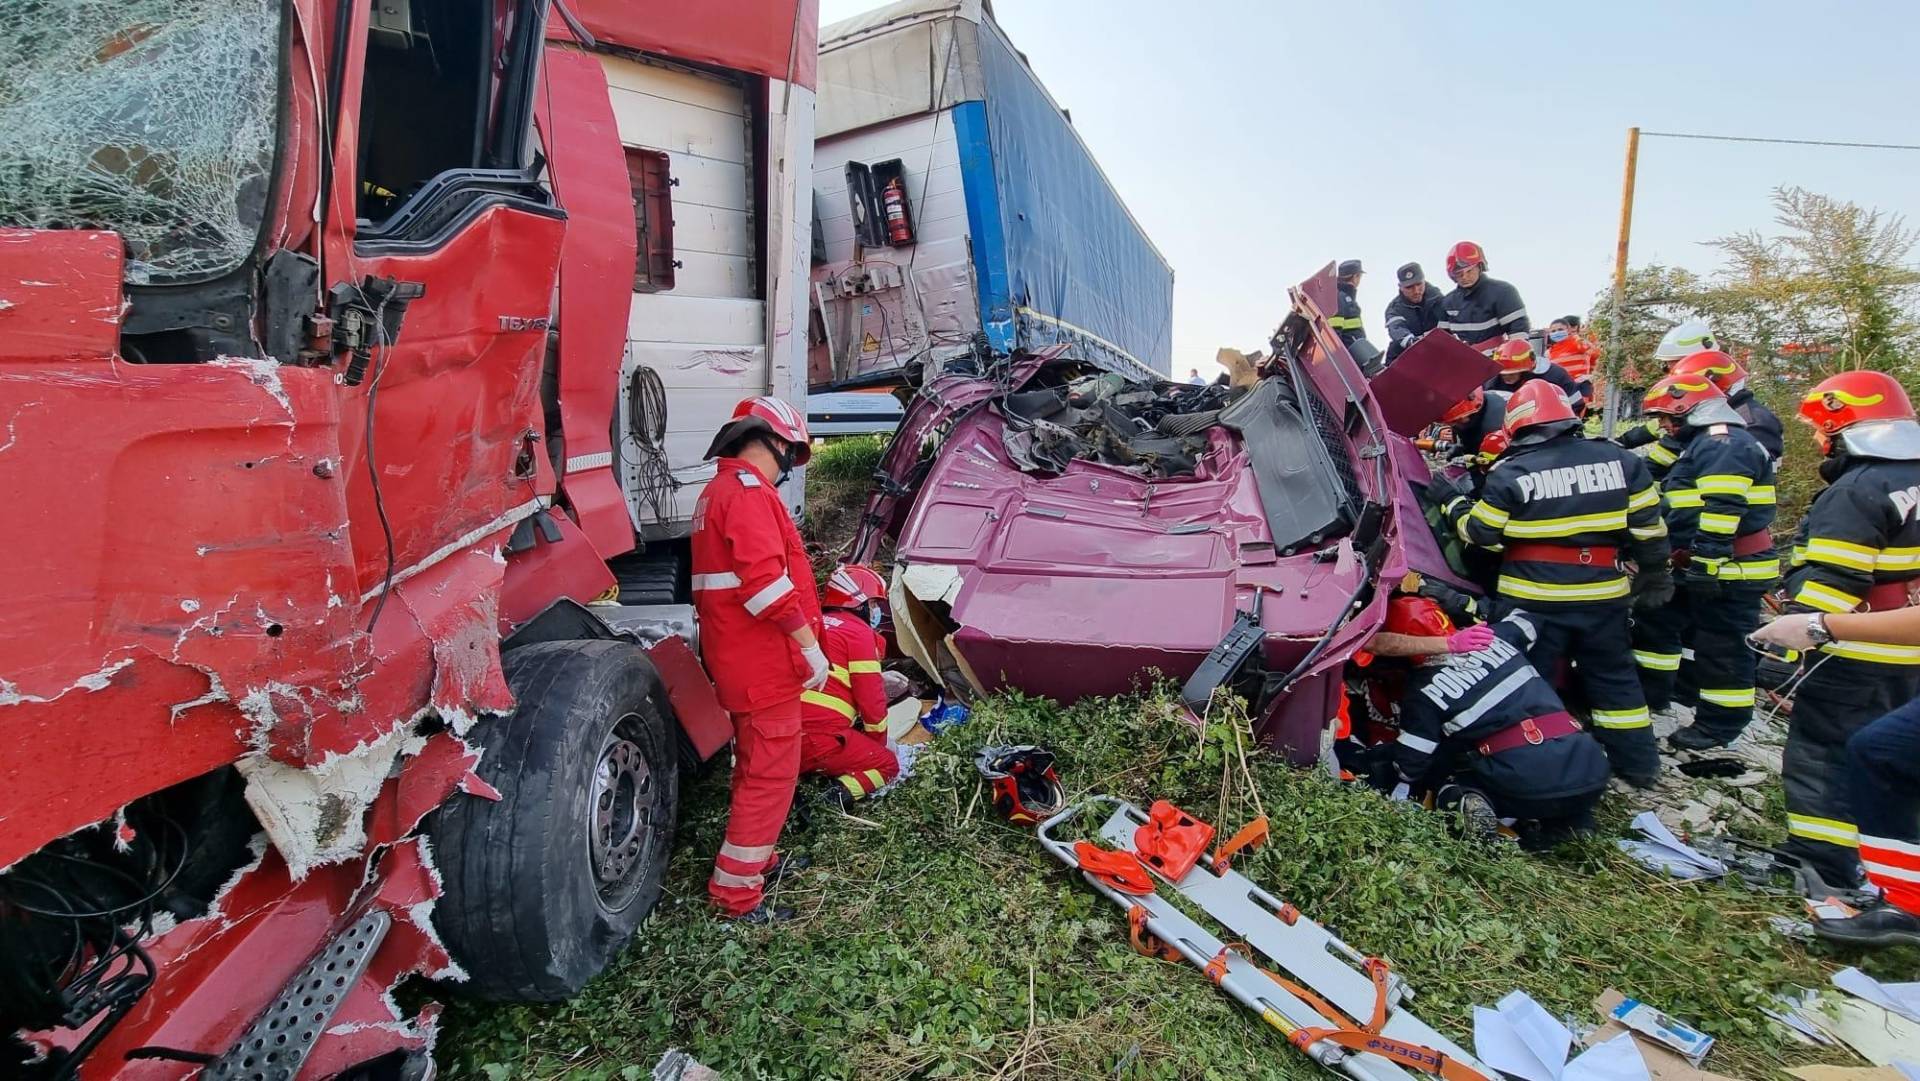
(1831, 830)
(1656, 662)
(1725, 484)
(1732, 699)
(1799, 555)
(1652, 532)
(1660, 455)
(1684, 498)
(1825, 598)
(1724, 524)
(1874, 652)
(851, 784)
(821, 698)
(1567, 527)
(1644, 498)
(875, 779)
(1344, 322)
(1750, 571)
(1489, 515)
(877, 726)
(863, 667)
(1551, 591)
(1840, 553)
(1897, 559)
(1761, 495)
(1622, 718)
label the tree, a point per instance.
(1834, 290)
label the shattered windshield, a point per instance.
(152, 118)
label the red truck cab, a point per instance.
(320, 366)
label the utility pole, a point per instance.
(1615, 362)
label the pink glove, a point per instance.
(1470, 639)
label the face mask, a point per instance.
(1557, 336)
(873, 616)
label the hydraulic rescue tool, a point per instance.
(1340, 1007)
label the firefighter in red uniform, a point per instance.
(1858, 548)
(759, 614)
(844, 724)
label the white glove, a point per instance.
(816, 666)
(1789, 632)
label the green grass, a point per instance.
(847, 458)
(938, 941)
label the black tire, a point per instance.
(526, 911)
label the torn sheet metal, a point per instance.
(1024, 558)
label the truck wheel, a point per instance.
(544, 886)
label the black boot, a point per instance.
(1880, 925)
(765, 913)
(785, 866)
(1695, 738)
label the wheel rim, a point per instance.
(620, 840)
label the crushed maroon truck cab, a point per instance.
(1067, 532)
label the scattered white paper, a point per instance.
(1617, 1059)
(1666, 853)
(1520, 1038)
(1798, 1015)
(1900, 998)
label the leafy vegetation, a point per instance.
(1832, 289)
(939, 941)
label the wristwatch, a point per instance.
(1817, 629)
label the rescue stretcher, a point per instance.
(1343, 1009)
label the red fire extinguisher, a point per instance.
(894, 199)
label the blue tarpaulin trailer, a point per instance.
(954, 199)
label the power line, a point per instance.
(1785, 142)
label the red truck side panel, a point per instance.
(766, 37)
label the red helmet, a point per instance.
(1847, 399)
(1460, 411)
(1677, 395)
(1727, 373)
(764, 415)
(852, 585)
(1515, 356)
(1465, 253)
(1417, 616)
(1495, 443)
(1536, 402)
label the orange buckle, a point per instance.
(1532, 732)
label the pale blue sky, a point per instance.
(1257, 140)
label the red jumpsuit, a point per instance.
(752, 587)
(844, 724)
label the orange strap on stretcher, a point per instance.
(1251, 836)
(1145, 942)
(1347, 1033)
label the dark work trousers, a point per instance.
(1694, 652)
(1883, 770)
(1595, 637)
(1838, 697)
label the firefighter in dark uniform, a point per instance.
(1719, 498)
(1475, 417)
(1488, 719)
(1520, 365)
(1481, 310)
(1346, 322)
(1414, 310)
(1731, 377)
(1859, 547)
(1565, 511)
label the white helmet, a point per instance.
(1690, 337)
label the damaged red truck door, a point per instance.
(276, 288)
